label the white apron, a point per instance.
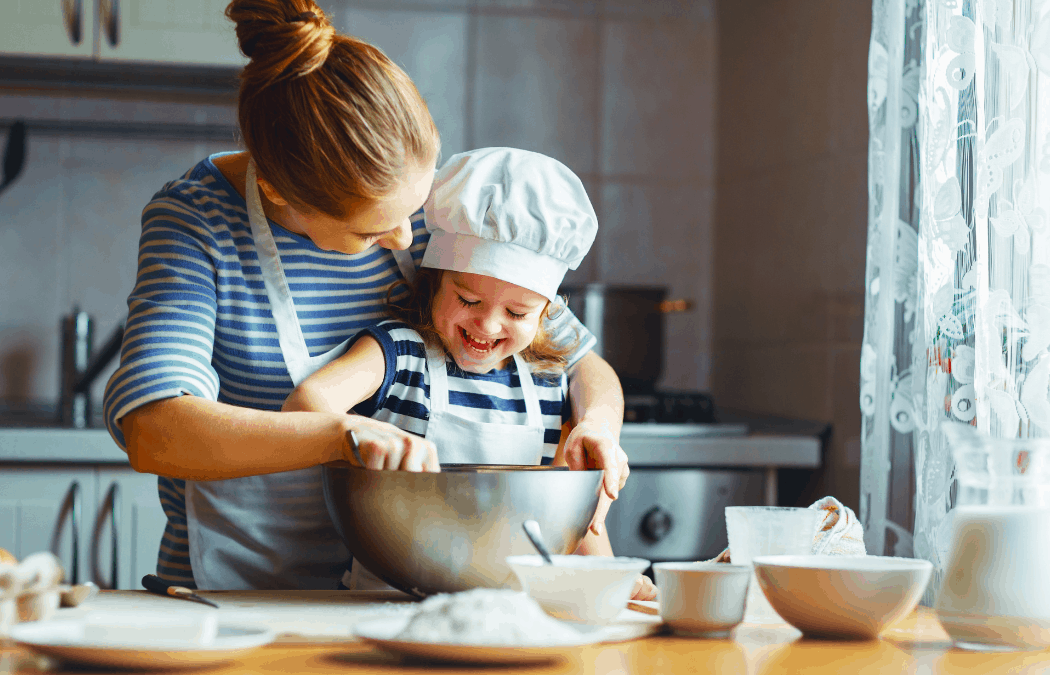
(462, 441)
(271, 531)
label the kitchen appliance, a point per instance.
(427, 533)
(628, 322)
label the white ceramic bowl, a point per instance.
(582, 588)
(842, 596)
(704, 599)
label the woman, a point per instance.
(229, 313)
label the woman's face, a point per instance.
(384, 222)
(485, 321)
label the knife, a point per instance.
(155, 584)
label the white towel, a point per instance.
(839, 532)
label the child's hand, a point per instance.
(594, 446)
(381, 445)
(644, 589)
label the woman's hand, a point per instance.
(644, 589)
(381, 445)
(593, 445)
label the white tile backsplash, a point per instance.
(32, 272)
(689, 10)
(432, 49)
(658, 102)
(536, 86)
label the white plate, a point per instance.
(63, 639)
(382, 633)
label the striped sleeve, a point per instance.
(566, 328)
(170, 333)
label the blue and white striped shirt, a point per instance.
(200, 322)
(494, 397)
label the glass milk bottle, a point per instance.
(995, 594)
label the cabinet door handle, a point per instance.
(110, 504)
(114, 518)
(70, 505)
(73, 17)
(110, 11)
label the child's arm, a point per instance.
(592, 544)
(599, 544)
(340, 385)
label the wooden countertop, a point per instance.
(917, 644)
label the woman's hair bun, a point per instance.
(283, 38)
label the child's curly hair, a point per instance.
(412, 304)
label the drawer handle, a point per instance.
(70, 505)
(110, 11)
(73, 17)
(110, 505)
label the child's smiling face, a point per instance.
(483, 320)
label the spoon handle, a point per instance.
(532, 531)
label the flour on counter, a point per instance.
(486, 616)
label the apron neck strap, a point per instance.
(405, 264)
(289, 333)
(438, 379)
(528, 391)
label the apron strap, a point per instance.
(438, 379)
(528, 392)
(405, 264)
(289, 333)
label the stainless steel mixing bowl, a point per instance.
(445, 532)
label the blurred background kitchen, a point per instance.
(723, 143)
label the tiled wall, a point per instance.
(623, 91)
(792, 218)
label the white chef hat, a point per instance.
(511, 214)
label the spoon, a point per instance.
(532, 531)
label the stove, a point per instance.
(688, 462)
(669, 408)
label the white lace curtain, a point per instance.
(957, 310)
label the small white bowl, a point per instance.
(581, 588)
(702, 599)
(852, 597)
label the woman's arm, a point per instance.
(340, 385)
(597, 417)
(194, 438)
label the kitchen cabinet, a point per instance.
(48, 27)
(191, 32)
(48, 509)
(104, 522)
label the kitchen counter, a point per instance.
(646, 445)
(917, 644)
(47, 445)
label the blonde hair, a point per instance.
(327, 118)
(414, 306)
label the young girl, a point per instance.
(467, 362)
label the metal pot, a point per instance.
(629, 324)
(445, 532)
